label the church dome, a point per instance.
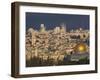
(30, 30)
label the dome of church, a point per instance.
(30, 30)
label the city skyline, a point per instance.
(53, 20)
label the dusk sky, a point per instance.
(52, 20)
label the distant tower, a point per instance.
(63, 27)
(57, 30)
(42, 28)
(80, 29)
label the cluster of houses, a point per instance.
(56, 44)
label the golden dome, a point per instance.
(80, 48)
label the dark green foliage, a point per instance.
(50, 62)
